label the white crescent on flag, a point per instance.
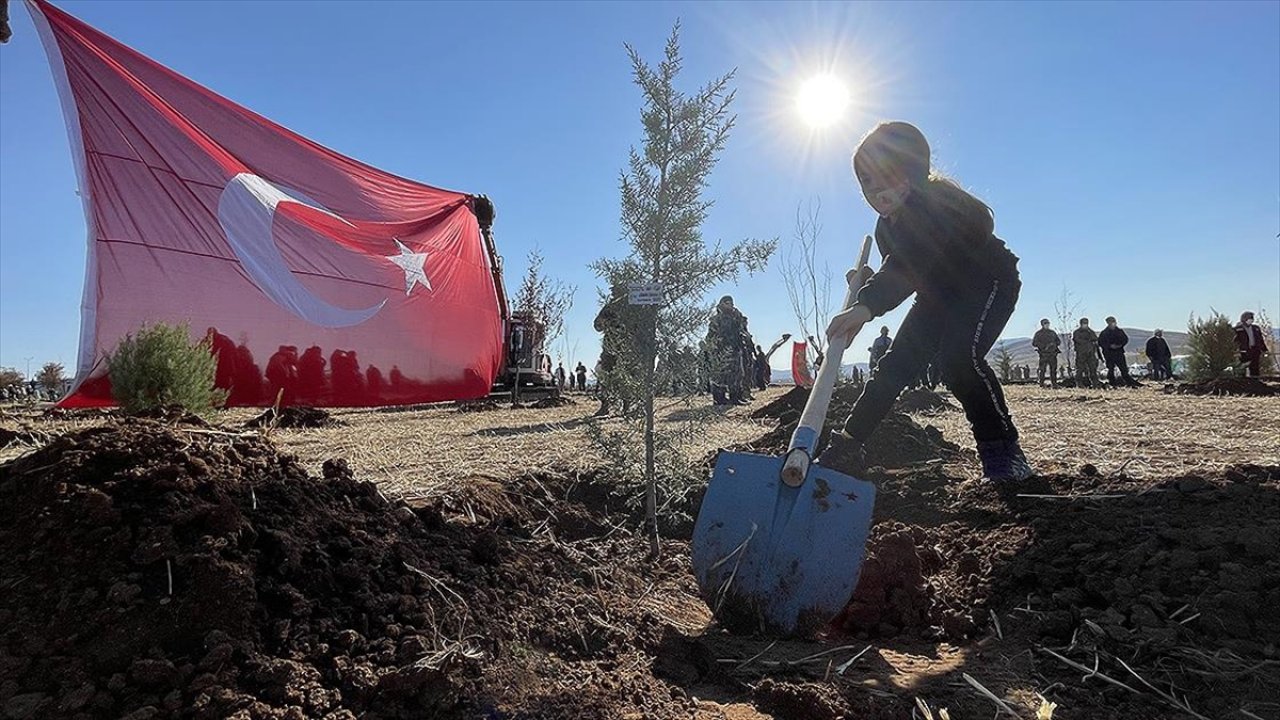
(246, 212)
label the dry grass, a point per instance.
(1144, 431)
(422, 451)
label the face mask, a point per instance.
(1249, 321)
(888, 202)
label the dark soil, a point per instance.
(922, 400)
(552, 401)
(294, 418)
(152, 572)
(172, 415)
(481, 405)
(1242, 386)
(21, 435)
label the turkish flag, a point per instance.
(313, 275)
(800, 365)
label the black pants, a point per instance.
(1161, 369)
(956, 334)
(1115, 360)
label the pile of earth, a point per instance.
(552, 401)
(897, 442)
(788, 406)
(481, 405)
(1242, 386)
(21, 434)
(294, 418)
(922, 400)
(150, 571)
(171, 415)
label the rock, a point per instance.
(21, 707)
(77, 698)
(153, 672)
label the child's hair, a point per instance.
(903, 149)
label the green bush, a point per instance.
(1212, 342)
(160, 366)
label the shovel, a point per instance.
(779, 542)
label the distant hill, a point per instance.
(1023, 354)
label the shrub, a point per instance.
(1212, 342)
(160, 366)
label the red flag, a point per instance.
(800, 365)
(312, 274)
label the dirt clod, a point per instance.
(294, 418)
(1239, 386)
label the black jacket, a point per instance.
(1112, 340)
(939, 252)
(1158, 349)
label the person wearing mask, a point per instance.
(1160, 356)
(1046, 343)
(1250, 343)
(1112, 340)
(1085, 341)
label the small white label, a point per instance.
(645, 293)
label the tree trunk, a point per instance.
(650, 473)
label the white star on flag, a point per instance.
(412, 264)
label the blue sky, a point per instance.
(1131, 151)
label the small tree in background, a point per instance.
(662, 215)
(51, 376)
(1004, 361)
(808, 281)
(545, 299)
(160, 366)
(1066, 311)
(1212, 345)
(10, 377)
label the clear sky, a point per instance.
(1131, 151)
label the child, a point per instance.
(937, 242)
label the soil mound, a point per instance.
(153, 572)
(552, 401)
(1246, 386)
(294, 418)
(898, 442)
(481, 405)
(171, 415)
(922, 400)
(26, 435)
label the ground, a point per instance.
(1137, 578)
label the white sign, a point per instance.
(645, 293)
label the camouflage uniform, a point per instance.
(1086, 343)
(622, 327)
(725, 346)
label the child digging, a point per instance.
(938, 242)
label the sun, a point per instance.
(822, 100)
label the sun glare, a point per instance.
(822, 100)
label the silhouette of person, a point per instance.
(282, 375)
(311, 381)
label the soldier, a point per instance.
(581, 373)
(879, 347)
(1250, 344)
(1112, 339)
(1160, 356)
(621, 326)
(1087, 352)
(1046, 343)
(725, 347)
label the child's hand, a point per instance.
(846, 325)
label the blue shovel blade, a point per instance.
(774, 558)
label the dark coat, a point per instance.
(1158, 349)
(1113, 340)
(1243, 340)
